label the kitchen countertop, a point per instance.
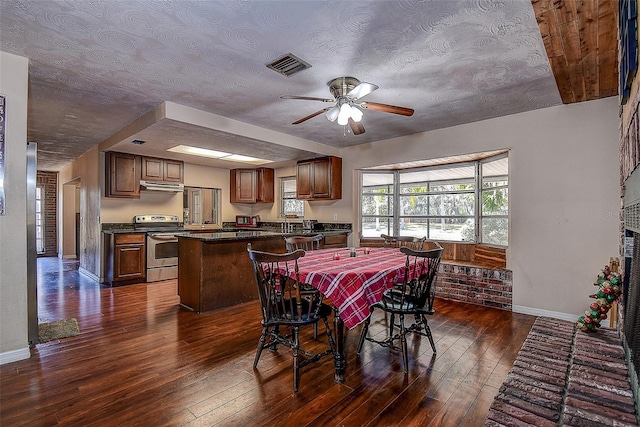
(226, 233)
(231, 235)
(252, 234)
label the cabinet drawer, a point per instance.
(335, 241)
(121, 239)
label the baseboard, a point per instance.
(15, 355)
(69, 257)
(544, 313)
(89, 274)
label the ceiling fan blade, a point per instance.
(356, 128)
(310, 116)
(361, 90)
(385, 108)
(307, 98)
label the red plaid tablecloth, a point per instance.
(353, 284)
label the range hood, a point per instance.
(171, 187)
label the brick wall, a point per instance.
(49, 182)
(475, 285)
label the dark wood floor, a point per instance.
(142, 360)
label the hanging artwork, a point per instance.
(2, 145)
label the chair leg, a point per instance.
(332, 342)
(365, 329)
(391, 324)
(403, 339)
(427, 329)
(296, 359)
(260, 346)
(315, 331)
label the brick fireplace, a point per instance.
(630, 308)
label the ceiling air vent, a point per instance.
(288, 65)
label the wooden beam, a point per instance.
(580, 38)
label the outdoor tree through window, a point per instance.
(456, 202)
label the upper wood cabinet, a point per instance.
(122, 175)
(154, 169)
(251, 185)
(319, 179)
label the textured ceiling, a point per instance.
(97, 66)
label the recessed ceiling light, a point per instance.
(138, 142)
(213, 154)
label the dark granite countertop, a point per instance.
(231, 235)
(222, 233)
(226, 234)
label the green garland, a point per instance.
(608, 283)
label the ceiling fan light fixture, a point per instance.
(345, 113)
(332, 113)
(356, 114)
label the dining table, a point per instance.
(353, 279)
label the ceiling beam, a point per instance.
(580, 37)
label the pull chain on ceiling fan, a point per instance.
(346, 92)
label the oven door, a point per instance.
(162, 256)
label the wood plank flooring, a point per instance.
(141, 360)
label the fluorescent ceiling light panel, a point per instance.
(205, 152)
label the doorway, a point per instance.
(71, 230)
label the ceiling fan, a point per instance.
(347, 92)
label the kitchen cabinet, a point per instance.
(165, 170)
(338, 240)
(252, 185)
(319, 179)
(126, 258)
(122, 175)
(216, 272)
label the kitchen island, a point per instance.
(214, 270)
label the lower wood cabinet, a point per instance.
(335, 240)
(126, 256)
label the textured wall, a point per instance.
(564, 195)
(13, 225)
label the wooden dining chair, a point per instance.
(286, 307)
(415, 243)
(413, 297)
(307, 243)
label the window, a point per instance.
(39, 220)
(289, 205)
(443, 202)
(494, 216)
(627, 35)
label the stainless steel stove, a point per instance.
(162, 244)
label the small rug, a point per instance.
(58, 329)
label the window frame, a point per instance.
(395, 217)
(283, 199)
(39, 219)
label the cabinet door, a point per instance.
(304, 180)
(335, 240)
(265, 178)
(123, 175)
(322, 178)
(129, 262)
(243, 186)
(173, 171)
(152, 169)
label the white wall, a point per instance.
(564, 194)
(14, 341)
